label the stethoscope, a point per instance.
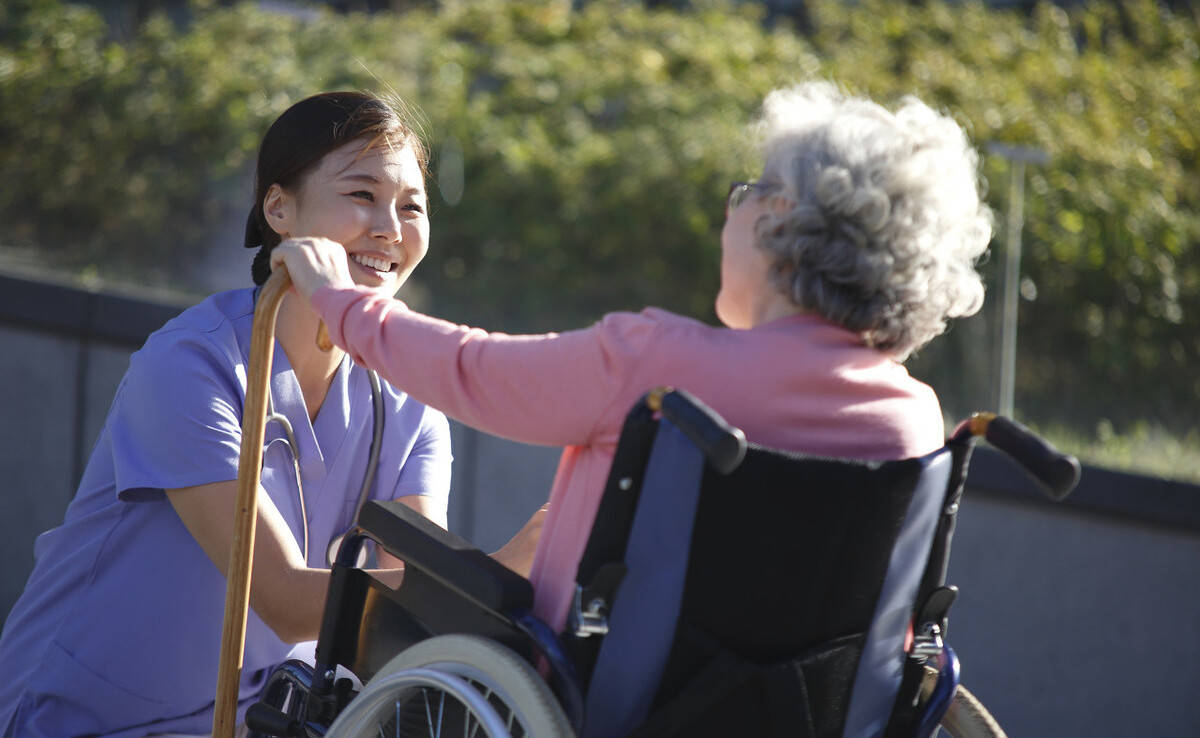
(289, 442)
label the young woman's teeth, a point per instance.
(379, 265)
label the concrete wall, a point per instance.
(37, 394)
(1077, 619)
(1076, 624)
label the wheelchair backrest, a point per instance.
(797, 592)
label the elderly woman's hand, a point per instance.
(312, 263)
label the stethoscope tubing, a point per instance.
(377, 416)
(364, 491)
(289, 441)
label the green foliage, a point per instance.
(122, 152)
(1145, 447)
(583, 156)
(1112, 221)
(582, 139)
(597, 149)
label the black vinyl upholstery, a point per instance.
(788, 557)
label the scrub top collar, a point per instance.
(318, 442)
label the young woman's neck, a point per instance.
(296, 332)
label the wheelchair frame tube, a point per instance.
(347, 583)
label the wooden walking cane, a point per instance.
(241, 556)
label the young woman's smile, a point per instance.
(374, 263)
(371, 199)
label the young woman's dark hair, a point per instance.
(300, 137)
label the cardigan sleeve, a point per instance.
(553, 389)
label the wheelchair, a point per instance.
(797, 613)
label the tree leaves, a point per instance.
(591, 149)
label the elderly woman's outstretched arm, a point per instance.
(552, 389)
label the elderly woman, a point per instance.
(852, 250)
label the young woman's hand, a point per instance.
(312, 263)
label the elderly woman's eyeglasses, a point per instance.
(739, 192)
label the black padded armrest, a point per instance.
(445, 557)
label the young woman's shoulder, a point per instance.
(184, 389)
(208, 342)
(219, 324)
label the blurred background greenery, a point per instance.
(582, 153)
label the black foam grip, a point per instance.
(722, 444)
(1057, 472)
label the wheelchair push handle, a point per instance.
(723, 445)
(1058, 473)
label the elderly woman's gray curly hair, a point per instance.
(887, 222)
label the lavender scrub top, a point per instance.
(118, 630)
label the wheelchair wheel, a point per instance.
(968, 718)
(454, 685)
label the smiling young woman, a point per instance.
(119, 627)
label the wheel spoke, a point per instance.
(428, 713)
(487, 695)
(441, 711)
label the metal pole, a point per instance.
(1017, 157)
(1012, 279)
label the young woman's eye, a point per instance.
(363, 194)
(414, 207)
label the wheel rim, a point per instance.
(514, 723)
(424, 702)
(485, 670)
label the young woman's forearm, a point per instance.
(287, 594)
(293, 605)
